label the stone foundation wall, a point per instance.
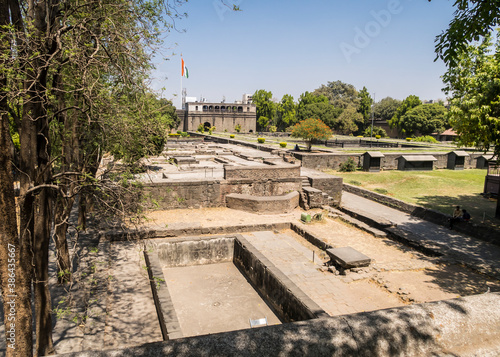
(183, 194)
(211, 192)
(259, 188)
(273, 172)
(291, 303)
(332, 185)
(325, 160)
(193, 251)
(263, 204)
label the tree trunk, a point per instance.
(62, 211)
(15, 268)
(15, 250)
(43, 327)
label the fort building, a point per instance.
(224, 116)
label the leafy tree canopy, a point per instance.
(386, 108)
(340, 94)
(347, 121)
(265, 107)
(365, 108)
(311, 129)
(474, 85)
(409, 103)
(474, 19)
(324, 111)
(286, 112)
(424, 119)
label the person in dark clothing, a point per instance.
(465, 216)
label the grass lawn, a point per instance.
(438, 189)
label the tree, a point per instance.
(365, 108)
(386, 108)
(473, 20)
(346, 123)
(311, 129)
(409, 103)
(62, 65)
(265, 108)
(424, 119)
(324, 111)
(286, 112)
(340, 94)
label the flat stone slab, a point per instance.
(348, 257)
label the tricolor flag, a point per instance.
(185, 72)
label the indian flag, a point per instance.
(185, 72)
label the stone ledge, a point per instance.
(263, 204)
(478, 231)
(459, 327)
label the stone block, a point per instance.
(348, 257)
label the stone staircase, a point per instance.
(311, 197)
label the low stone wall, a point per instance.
(183, 194)
(326, 160)
(468, 326)
(211, 192)
(193, 251)
(291, 303)
(478, 231)
(332, 185)
(274, 172)
(263, 204)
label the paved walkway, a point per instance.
(479, 255)
(329, 291)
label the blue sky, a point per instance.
(289, 47)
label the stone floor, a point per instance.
(214, 298)
(111, 303)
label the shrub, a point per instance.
(231, 136)
(184, 134)
(377, 136)
(348, 166)
(261, 140)
(426, 138)
(283, 144)
(212, 129)
(408, 139)
(377, 130)
(179, 132)
(273, 128)
(237, 128)
(201, 128)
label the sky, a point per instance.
(289, 47)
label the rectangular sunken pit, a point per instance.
(219, 283)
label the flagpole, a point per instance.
(180, 93)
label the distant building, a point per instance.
(224, 116)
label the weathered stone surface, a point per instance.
(261, 172)
(348, 257)
(263, 204)
(468, 326)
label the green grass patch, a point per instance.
(440, 190)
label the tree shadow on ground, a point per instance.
(462, 281)
(475, 204)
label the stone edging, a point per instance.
(464, 326)
(478, 231)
